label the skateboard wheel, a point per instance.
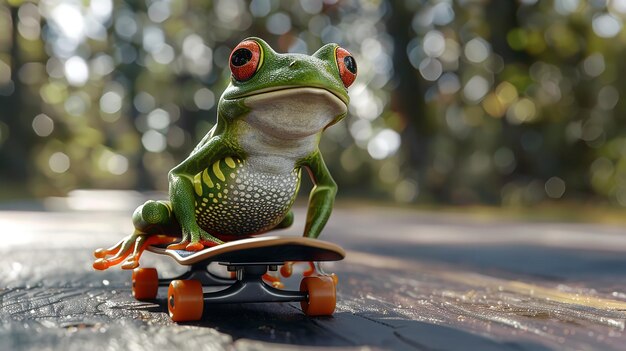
(145, 283)
(322, 296)
(185, 300)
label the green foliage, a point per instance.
(456, 102)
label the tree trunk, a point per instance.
(408, 97)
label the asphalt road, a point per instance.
(410, 281)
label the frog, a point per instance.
(242, 178)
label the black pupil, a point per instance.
(350, 64)
(240, 57)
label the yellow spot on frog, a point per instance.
(197, 184)
(215, 200)
(229, 162)
(218, 172)
(205, 199)
(207, 179)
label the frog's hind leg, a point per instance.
(155, 216)
(151, 220)
(152, 217)
(120, 251)
(138, 241)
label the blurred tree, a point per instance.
(12, 132)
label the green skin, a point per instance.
(202, 188)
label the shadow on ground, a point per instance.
(285, 324)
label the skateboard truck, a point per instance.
(250, 287)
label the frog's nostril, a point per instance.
(293, 63)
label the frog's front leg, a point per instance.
(194, 238)
(182, 193)
(321, 201)
(154, 225)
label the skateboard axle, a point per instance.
(250, 287)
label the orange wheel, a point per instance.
(145, 283)
(322, 296)
(185, 300)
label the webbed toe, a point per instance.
(100, 264)
(130, 263)
(194, 246)
(178, 246)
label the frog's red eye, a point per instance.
(244, 60)
(347, 66)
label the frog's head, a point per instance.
(288, 95)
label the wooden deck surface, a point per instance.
(410, 281)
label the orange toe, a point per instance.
(287, 269)
(100, 253)
(194, 246)
(101, 264)
(130, 264)
(179, 246)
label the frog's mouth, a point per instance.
(288, 87)
(294, 112)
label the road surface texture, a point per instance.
(410, 281)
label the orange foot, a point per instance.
(129, 249)
(178, 246)
(314, 270)
(197, 246)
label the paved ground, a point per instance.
(411, 281)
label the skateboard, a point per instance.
(248, 260)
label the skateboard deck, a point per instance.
(270, 249)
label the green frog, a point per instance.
(242, 178)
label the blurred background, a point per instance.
(513, 103)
